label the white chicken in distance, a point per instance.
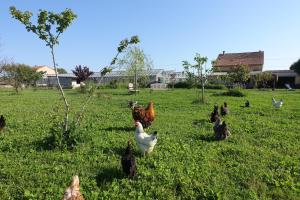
(146, 142)
(277, 104)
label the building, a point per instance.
(45, 69)
(69, 80)
(226, 62)
(286, 77)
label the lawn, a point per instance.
(260, 160)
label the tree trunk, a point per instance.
(202, 83)
(67, 107)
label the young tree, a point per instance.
(61, 71)
(49, 27)
(240, 74)
(202, 73)
(136, 63)
(296, 66)
(82, 73)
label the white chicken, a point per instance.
(277, 104)
(146, 142)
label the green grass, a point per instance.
(259, 161)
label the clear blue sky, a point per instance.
(170, 31)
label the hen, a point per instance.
(2, 123)
(128, 162)
(214, 114)
(247, 104)
(72, 192)
(224, 109)
(144, 115)
(146, 142)
(221, 130)
(277, 104)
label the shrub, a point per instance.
(236, 92)
(113, 84)
(215, 86)
(183, 85)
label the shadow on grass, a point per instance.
(199, 122)
(107, 175)
(207, 138)
(44, 144)
(127, 129)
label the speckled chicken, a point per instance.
(214, 114)
(144, 115)
(2, 122)
(72, 192)
(128, 162)
(221, 130)
(224, 109)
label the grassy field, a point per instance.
(259, 161)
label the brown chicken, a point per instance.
(2, 123)
(72, 192)
(144, 115)
(221, 129)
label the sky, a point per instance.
(170, 31)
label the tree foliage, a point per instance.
(240, 74)
(20, 74)
(82, 73)
(61, 71)
(136, 63)
(263, 79)
(296, 66)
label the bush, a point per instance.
(182, 85)
(113, 84)
(237, 92)
(215, 86)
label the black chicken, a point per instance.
(2, 122)
(224, 109)
(214, 114)
(128, 162)
(221, 130)
(247, 104)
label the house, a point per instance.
(226, 62)
(45, 69)
(173, 76)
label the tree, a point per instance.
(264, 78)
(136, 63)
(61, 71)
(296, 66)
(20, 74)
(202, 73)
(49, 27)
(82, 73)
(240, 74)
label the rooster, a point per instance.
(214, 114)
(72, 192)
(144, 115)
(221, 130)
(277, 104)
(128, 162)
(2, 123)
(146, 142)
(224, 109)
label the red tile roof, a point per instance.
(234, 59)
